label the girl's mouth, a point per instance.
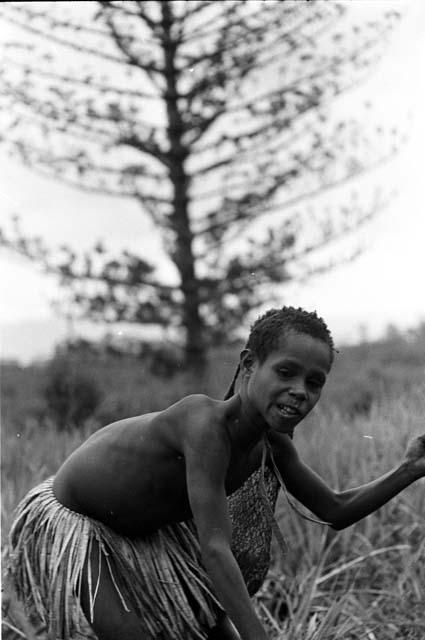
(288, 411)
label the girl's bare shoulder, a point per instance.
(197, 416)
(198, 405)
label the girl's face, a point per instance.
(285, 387)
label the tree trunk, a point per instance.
(195, 345)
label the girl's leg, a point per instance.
(110, 620)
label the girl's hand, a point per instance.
(415, 457)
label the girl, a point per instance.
(138, 527)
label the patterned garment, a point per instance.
(252, 527)
(252, 510)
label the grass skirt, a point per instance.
(160, 575)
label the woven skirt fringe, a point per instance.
(160, 576)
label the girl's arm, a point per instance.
(342, 509)
(207, 459)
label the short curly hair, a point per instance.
(267, 330)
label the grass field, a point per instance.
(366, 582)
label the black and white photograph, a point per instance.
(212, 329)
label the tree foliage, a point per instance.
(214, 117)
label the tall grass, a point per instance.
(367, 581)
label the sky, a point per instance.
(383, 286)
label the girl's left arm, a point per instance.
(342, 509)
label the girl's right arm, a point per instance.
(207, 456)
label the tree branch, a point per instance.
(200, 128)
(121, 43)
(32, 249)
(279, 122)
(197, 33)
(145, 146)
(31, 14)
(296, 200)
(144, 16)
(221, 49)
(71, 45)
(201, 6)
(86, 82)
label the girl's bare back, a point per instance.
(131, 474)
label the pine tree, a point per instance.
(213, 116)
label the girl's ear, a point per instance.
(247, 359)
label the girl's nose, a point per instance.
(298, 392)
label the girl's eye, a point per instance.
(285, 373)
(316, 384)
